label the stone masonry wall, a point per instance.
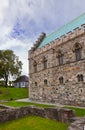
(79, 124)
(63, 115)
(70, 91)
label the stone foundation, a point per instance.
(62, 115)
(79, 124)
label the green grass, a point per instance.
(33, 123)
(20, 104)
(78, 111)
(13, 93)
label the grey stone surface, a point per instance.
(79, 124)
(70, 91)
(63, 115)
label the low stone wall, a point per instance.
(79, 124)
(5, 107)
(63, 115)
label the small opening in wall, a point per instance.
(45, 82)
(35, 83)
(80, 77)
(80, 90)
(78, 54)
(61, 80)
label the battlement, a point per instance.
(39, 40)
(63, 39)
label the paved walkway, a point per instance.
(28, 100)
(57, 104)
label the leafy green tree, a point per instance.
(9, 65)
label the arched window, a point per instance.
(61, 80)
(77, 50)
(35, 66)
(45, 62)
(80, 77)
(60, 57)
(45, 82)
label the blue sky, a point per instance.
(22, 22)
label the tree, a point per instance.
(9, 65)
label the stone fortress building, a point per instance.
(57, 65)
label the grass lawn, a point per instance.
(13, 93)
(78, 111)
(33, 123)
(20, 104)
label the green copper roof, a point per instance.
(63, 30)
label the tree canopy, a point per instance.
(9, 65)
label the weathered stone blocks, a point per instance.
(71, 91)
(63, 115)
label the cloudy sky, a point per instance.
(22, 22)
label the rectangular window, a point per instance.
(60, 60)
(45, 82)
(35, 83)
(80, 77)
(35, 68)
(61, 80)
(78, 54)
(45, 64)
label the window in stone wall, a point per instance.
(45, 62)
(60, 57)
(80, 77)
(35, 83)
(35, 66)
(78, 54)
(45, 82)
(77, 50)
(61, 80)
(80, 90)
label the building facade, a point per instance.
(57, 65)
(22, 82)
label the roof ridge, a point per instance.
(63, 30)
(65, 24)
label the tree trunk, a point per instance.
(6, 80)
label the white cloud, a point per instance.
(3, 6)
(33, 17)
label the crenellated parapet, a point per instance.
(37, 43)
(63, 39)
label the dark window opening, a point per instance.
(45, 82)
(35, 83)
(78, 54)
(61, 80)
(45, 62)
(80, 77)
(60, 59)
(35, 67)
(81, 90)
